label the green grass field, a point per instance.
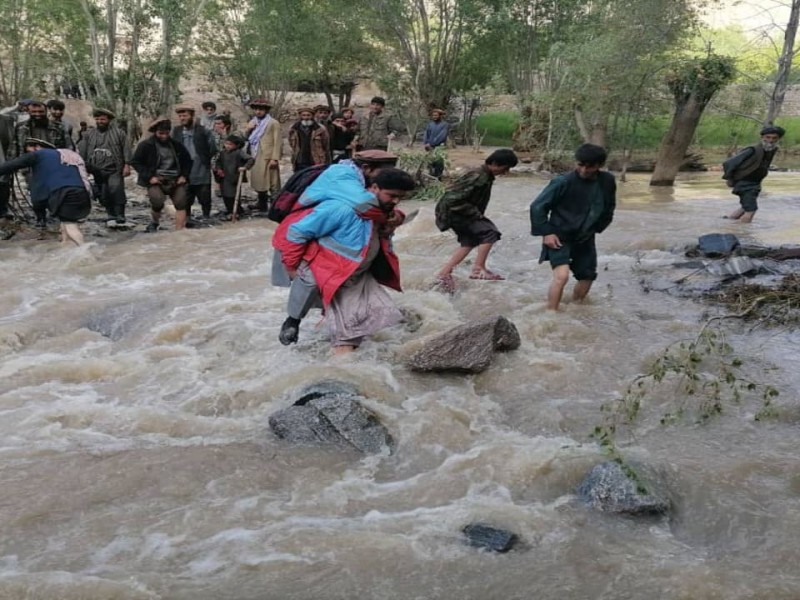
(715, 130)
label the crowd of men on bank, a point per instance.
(187, 156)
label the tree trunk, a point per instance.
(672, 152)
(97, 64)
(784, 65)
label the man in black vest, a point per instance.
(745, 171)
(201, 146)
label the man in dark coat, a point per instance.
(163, 167)
(201, 146)
(745, 172)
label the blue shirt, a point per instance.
(48, 174)
(436, 133)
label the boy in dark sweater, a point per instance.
(462, 209)
(568, 213)
(232, 160)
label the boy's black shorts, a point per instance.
(482, 231)
(580, 256)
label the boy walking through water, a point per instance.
(568, 213)
(462, 209)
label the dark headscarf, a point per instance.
(768, 129)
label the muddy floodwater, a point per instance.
(142, 467)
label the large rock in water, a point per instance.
(468, 348)
(118, 320)
(330, 412)
(609, 488)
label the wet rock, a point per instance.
(609, 488)
(330, 412)
(117, 321)
(466, 348)
(490, 538)
(717, 245)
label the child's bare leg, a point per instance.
(581, 289)
(736, 214)
(560, 278)
(747, 217)
(480, 259)
(455, 260)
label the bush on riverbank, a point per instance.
(715, 131)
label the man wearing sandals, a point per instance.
(568, 213)
(462, 209)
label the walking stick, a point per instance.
(238, 197)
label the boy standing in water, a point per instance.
(568, 213)
(463, 208)
(745, 171)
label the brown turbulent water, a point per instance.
(144, 468)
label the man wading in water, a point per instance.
(344, 247)
(568, 213)
(745, 172)
(163, 166)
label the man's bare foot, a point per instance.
(736, 214)
(747, 217)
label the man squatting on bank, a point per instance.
(568, 213)
(339, 251)
(745, 172)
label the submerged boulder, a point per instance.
(609, 488)
(118, 320)
(485, 536)
(330, 412)
(466, 348)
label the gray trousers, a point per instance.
(303, 293)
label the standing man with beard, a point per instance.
(107, 155)
(309, 141)
(39, 127)
(376, 130)
(200, 144)
(264, 137)
(209, 114)
(745, 172)
(56, 109)
(163, 166)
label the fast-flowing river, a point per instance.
(144, 467)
